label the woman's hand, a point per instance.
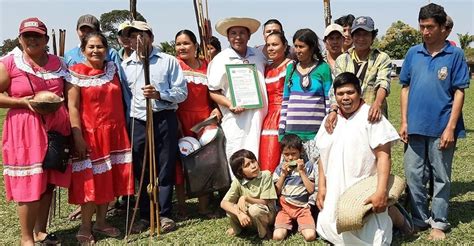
(81, 150)
(26, 101)
(149, 91)
(331, 122)
(217, 113)
(236, 109)
(378, 200)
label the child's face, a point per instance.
(291, 154)
(250, 169)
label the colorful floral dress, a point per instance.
(197, 106)
(269, 154)
(107, 172)
(25, 138)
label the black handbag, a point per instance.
(58, 152)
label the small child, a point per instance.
(294, 181)
(250, 201)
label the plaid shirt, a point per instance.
(377, 74)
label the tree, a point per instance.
(110, 21)
(465, 40)
(398, 39)
(168, 48)
(8, 45)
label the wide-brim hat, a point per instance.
(351, 210)
(223, 25)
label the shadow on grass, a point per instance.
(461, 188)
(461, 212)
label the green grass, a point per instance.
(203, 231)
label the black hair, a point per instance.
(191, 36)
(90, 35)
(216, 43)
(347, 78)
(345, 20)
(283, 40)
(434, 11)
(291, 141)
(246, 28)
(273, 21)
(373, 32)
(237, 161)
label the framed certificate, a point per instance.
(244, 85)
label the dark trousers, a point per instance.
(166, 146)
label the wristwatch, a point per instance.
(332, 110)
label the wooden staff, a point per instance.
(133, 9)
(204, 27)
(55, 49)
(62, 42)
(327, 12)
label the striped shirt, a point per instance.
(293, 188)
(303, 108)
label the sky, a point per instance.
(167, 17)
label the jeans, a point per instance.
(420, 152)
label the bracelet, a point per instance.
(332, 110)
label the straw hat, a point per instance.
(46, 102)
(223, 25)
(351, 210)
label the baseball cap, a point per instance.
(139, 25)
(88, 20)
(333, 28)
(122, 26)
(33, 24)
(363, 22)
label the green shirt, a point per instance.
(260, 187)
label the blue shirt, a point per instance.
(432, 82)
(75, 56)
(165, 75)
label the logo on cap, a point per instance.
(361, 21)
(31, 24)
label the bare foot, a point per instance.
(230, 232)
(436, 235)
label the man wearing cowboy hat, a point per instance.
(167, 88)
(241, 126)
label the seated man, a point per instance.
(355, 150)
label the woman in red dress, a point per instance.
(102, 164)
(197, 106)
(277, 49)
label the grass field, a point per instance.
(196, 230)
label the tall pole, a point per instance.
(327, 12)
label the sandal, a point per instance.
(85, 240)
(50, 239)
(141, 226)
(108, 231)
(167, 225)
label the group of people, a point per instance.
(321, 127)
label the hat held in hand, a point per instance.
(351, 211)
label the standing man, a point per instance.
(434, 76)
(167, 88)
(333, 41)
(346, 23)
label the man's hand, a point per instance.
(375, 112)
(320, 197)
(331, 122)
(403, 132)
(244, 219)
(149, 91)
(378, 200)
(447, 138)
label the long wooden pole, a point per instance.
(327, 12)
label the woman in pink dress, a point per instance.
(22, 75)
(277, 50)
(197, 107)
(102, 163)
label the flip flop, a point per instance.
(167, 224)
(109, 231)
(50, 239)
(85, 240)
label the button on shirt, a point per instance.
(165, 75)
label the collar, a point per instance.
(354, 56)
(448, 48)
(134, 58)
(245, 181)
(234, 55)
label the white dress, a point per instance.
(346, 158)
(242, 131)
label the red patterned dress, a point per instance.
(269, 153)
(108, 172)
(197, 106)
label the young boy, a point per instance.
(250, 201)
(294, 181)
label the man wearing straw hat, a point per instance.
(241, 126)
(354, 151)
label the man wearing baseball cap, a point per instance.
(333, 41)
(167, 88)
